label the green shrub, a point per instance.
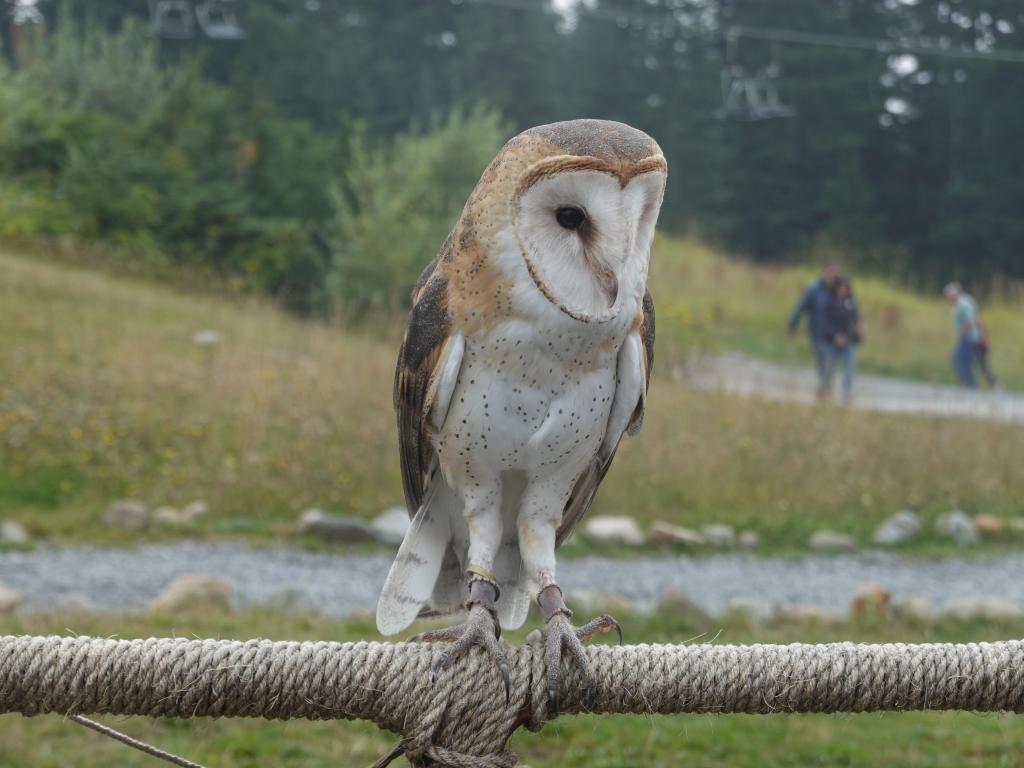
(398, 204)
(97, 140)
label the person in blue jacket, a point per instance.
(814, 303)
(843, 332)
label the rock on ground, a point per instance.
(129, 514)
(168, 516)
(832, 541)
(806, 613)
(989, 525)
(195, 509)
(614, 529)
(870, 599)
(9, 599)
(193, 592)
(390, 526)
(207, 337)
(719, 535)
(325, 525)
(13, 532)
(898, 529)
(956, 525)
(983, 609)
(749, 539)
(665, 534)
(753, 608)
(917, 609)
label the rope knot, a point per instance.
(440, 757)
(468, 717)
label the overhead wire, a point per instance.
(792, 36)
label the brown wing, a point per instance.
(587, 484)
(426, 335)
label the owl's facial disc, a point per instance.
(575, 219)
(586, 237)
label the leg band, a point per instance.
(551, 602)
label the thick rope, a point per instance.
(465, 720)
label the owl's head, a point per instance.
(583, 207)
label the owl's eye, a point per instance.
(570, 217)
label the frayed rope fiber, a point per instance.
(465, 720)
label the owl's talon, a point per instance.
(561, 636)
(603, 623)
(480, 628)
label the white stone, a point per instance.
(129, 514)
(959, 527)
(749, 539)
(832, 541)
(805, 613)
(207, 338)
(194, 510)
(13, 532)
(665, 534)
(918, 609)
(982, 608)
(754, 608)
(390, 526)
(167, 516)
(614, 529)
(719, 535)
(193, 592)
(10, 599)
(325, 525)
(898, 529)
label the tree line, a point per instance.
(326, 151)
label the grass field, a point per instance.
(935, 740)
(106, 395)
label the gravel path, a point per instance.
(741, 374)
(341, 585)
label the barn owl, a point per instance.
(526, 358)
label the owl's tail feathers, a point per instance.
(514, 598)
(514, 605)
(414, 573)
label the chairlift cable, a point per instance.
(878, 45)
(792, 36)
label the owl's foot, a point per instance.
(480, 628)
(561, 637)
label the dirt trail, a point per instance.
(345, 585)
(747, 376)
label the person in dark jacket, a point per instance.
(813, 303)
(843, 333)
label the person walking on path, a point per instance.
(814, 303)
(982, 359)
(968, 333)
(843, 332)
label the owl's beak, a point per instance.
(607, 280)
